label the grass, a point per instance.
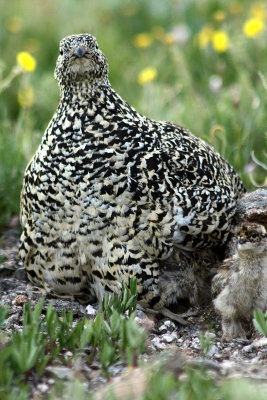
(44, 339)
(217, 95)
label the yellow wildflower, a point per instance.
(258, 11)
(142, 40)
(204, 36)
(147, 75)
(219, 16)
(26, 96)
(26, 61)
(235, 8)
(220, 41)
(14, 24)
(169, 38)
(252, 27)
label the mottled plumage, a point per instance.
(240, 285)
(110, 193)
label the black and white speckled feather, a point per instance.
(110, 192)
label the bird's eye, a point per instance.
(61, 52)
(254, 235)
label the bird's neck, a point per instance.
(93, 95)
(83, 91)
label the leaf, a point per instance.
(260, 321)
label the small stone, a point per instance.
(210, 335)
(42, 387)
(60, 372)
(163, 329)
(158, 345)
(20, 300)
(146, 323)
(169, 324)
(90, 310)
(68, 354)
(260, 342)
(248, 349)
(169, 337)
(212, 351)
(196, 344)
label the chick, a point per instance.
(240, 286)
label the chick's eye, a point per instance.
(254, 235)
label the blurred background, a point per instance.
(201, 64)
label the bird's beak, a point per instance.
(79, 52)
(241, 241)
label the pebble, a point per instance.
(169, 324)
(158, 344)
(90, 310)
(196, 344)
(169, 337)
(163, 329)
(210, 335)
(68, 354)
(60, 372)
(20, 300)
(212, 351)
(42, 387)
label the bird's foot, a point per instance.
(232, 329)
(165, 312)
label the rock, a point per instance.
(59, 372)
(20, 300)
(42, 387)
(169, 337)
(252, 207)
(90, 310)
(210, 335)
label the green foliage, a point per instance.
(205, 344)
(124, 301)
(112, 336)
(197, 386)
(3, 315)
(260, 321)
(161, 385)
(3, 258)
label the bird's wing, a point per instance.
(201, 199)
(221, 279)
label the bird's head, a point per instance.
(79, 61)
(251, 238)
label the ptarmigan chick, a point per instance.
(241, 283)
(186, 277)
(110, 193)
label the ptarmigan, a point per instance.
(241, 283)
(185, 277)
(109, 192)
